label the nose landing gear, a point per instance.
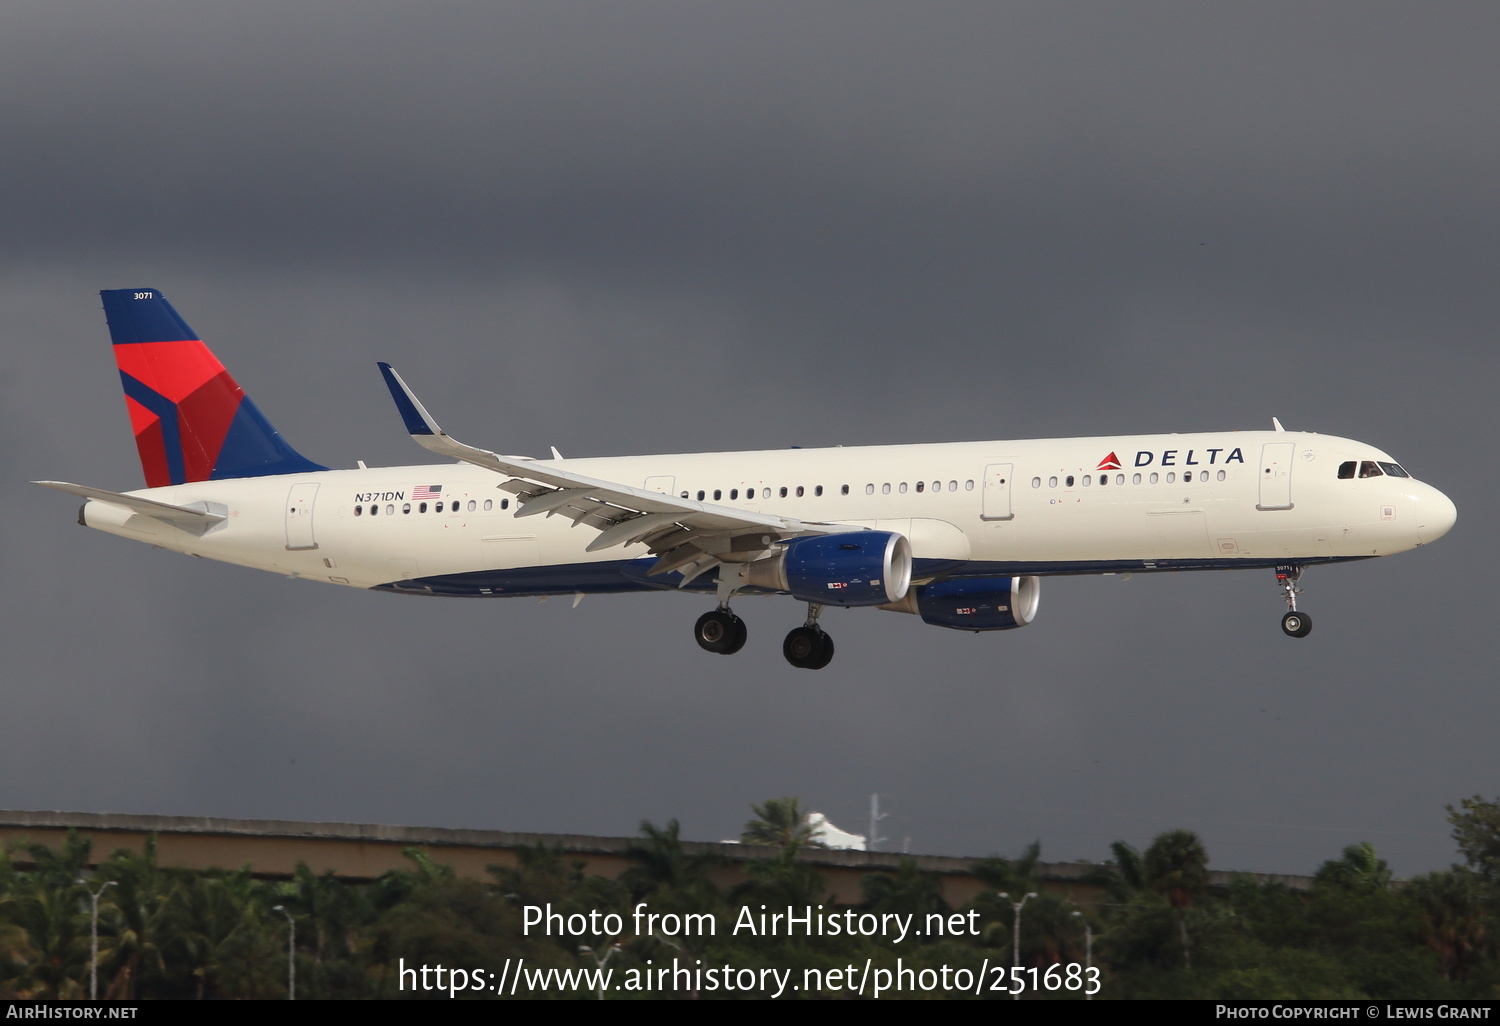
(1295, 624)
(808, 647)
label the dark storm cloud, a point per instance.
(665, 227)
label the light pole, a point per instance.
(94, 936)
(1088, 954)
(584, 949)
(1015, 933)
(291, 953)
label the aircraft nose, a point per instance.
(1438, 515)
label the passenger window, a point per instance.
(1052, 482)
(920, 485)
(374, 510)
(818, 491)
(505, 504)
(422, 507)
(390, 509)
(406, 507)
(472, 506)
(359, 511)
(765, 493)
(1369, 469)
(1221, 475)
(783, 491)
(799, 491)
(718, 495)
(701, 493)
(1087, 480)
(438, 508)
(1155, 477)
(844, 490)
(969, 485)
(1171, 476)
(885, 489)
(953, 486)
(937, 486)
(1135, 479)
(1036, 482)
(489, 504)
(1103, 480)
(1119, 479)
(903, 487)
(1068, 481)
(734, 493)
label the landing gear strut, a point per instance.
(719, 630)
(1294, 623)
(808, 647)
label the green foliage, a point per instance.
(1357, 868)
(1476, 829)
(780, 823)
(1159, 930)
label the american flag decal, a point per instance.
(427, 492)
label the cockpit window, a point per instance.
(1368, 468)
(1346, 470)
(1393, 469)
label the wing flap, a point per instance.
(622, 513)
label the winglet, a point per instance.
(1277, 424)
(418, 420)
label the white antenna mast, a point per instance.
(875, 817)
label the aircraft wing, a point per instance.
(688, 535)
(196, 518)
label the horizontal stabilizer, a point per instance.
(196, 518)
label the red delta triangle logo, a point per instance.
(1110, 462)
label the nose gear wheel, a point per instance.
(1294, 624)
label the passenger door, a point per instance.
(1276, 475)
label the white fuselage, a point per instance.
(1037, 506)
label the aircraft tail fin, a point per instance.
(192, 421)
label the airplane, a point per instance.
(958, 533)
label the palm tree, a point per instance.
(1176, 866)
(662, 865)
(140, 904)
(780, 823)
(1357, 868)
(909, 890)
(1453, 918)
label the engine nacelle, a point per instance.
(861, 568)
(974, 603)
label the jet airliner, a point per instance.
(959, 534)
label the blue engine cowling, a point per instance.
(860, 568)
(975, 603)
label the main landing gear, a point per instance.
(808, 647)
(719, 630)
(1295, 624)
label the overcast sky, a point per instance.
(641, 227)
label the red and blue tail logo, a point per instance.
(192, 422)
